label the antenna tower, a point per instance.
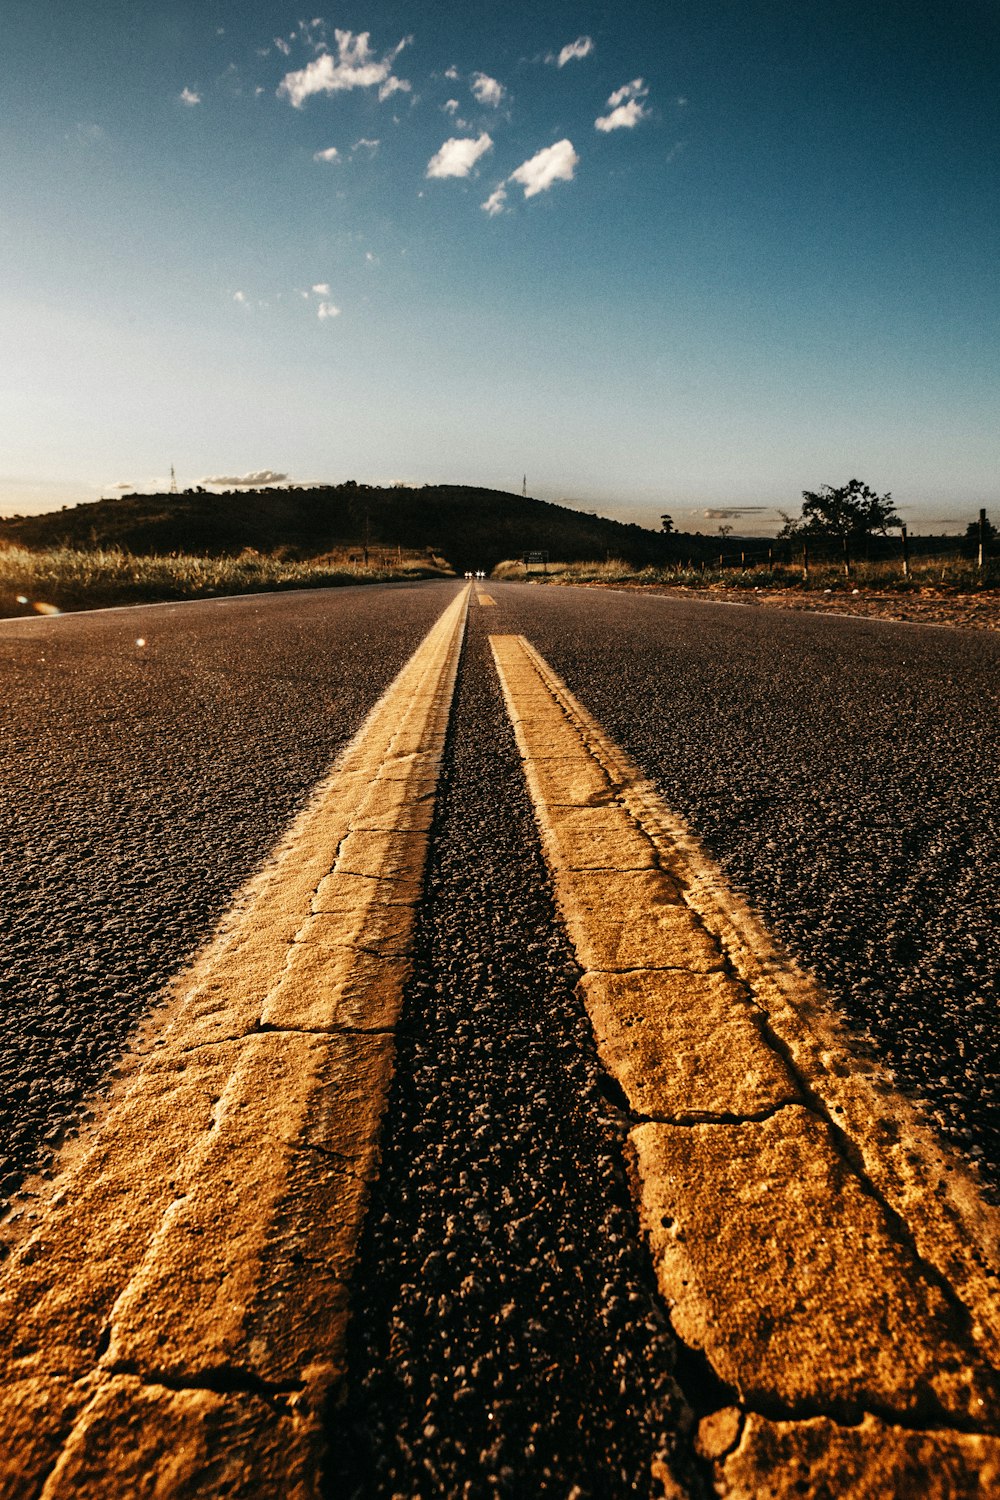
(173, 481)
(524, 487)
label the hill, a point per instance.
(471, 527)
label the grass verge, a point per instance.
(63, 579)
(948, 574)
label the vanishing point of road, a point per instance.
(498, 1041)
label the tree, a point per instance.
(970, 543)
(850, 513)
(666, 523)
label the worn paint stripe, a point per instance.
(485, 599)
(176, 1302)
(810, 1235)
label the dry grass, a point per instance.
(63, 579)
(950, 574)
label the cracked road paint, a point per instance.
(811, 1237)
(173, 1308)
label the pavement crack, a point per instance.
(853, 1159)
(223, 1380)
(690, 1118)
(336, 1159)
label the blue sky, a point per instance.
(692, 257)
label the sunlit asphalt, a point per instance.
(843, 771)
(149, 759)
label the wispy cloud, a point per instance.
(330, 154)
(189, 97)
(240, 297)
(354, 67)
(625, 117)
(495, 202)
(450, 107)
(393, 85)
(582, 47)
(733, 512)
(458, 156)
(327, 310)
(634, 90)
(487, 90)
(322, 289)
(552, 164)
(625, 106)
(247, 481)
(365, 145)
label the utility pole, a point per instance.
(524, 487)
(173, 481)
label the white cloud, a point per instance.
(393, 85)
(365, 145)
(452, 73)
(495, 202)
(327, 310)
(313, 33)
(625, 117)
(487, 90)
(322, 289)
(189, 97)
(582, 47)
(355, 67)
(626, 108)
(633, 90)
(552, 164)
(239, 297)
(458, 156)
(450, 107)
(247, 481)
(330, 154)
(282, 45)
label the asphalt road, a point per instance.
(506, 1332)
(844, 772)
(140, 785)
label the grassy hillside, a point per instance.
(472, 528)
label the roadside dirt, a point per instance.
(925, 606)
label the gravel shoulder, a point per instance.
(923, 606)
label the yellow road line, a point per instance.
(485, 599)
(810, 1235)
(173, 1314)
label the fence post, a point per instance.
(906, 551)
(805, 561)
(847, 556)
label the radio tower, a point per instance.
(173, 481)
(524, 487)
